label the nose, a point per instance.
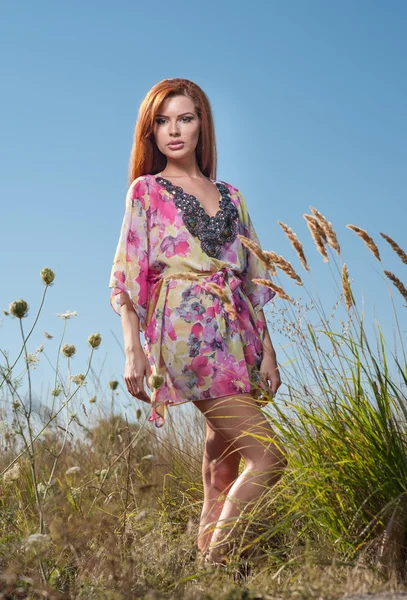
(174, 129)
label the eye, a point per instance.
(159, 120)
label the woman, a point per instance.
(183, 277)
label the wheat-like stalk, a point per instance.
(279, 291)
(284, 265)
(296, 244)
(347, 292)
(223, 296)
(257, 251)
(367, 239)
(326, 225)
(396, 281)
(315, 230)
(399, 251)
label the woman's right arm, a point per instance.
(137, 365)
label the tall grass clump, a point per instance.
(94, 503)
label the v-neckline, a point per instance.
(214, 181)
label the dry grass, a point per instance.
(370, 243)
(296, 244)
(399, 251)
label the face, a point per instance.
(177, 121)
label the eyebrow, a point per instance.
(181, 115)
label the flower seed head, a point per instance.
(47, 275)
(92, 400)
(155, 381)
(113, 384)
(68, 350)
(19, 308)
(95, 339)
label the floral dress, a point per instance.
(204, 340)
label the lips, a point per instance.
(175, 144)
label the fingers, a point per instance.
(136, 388)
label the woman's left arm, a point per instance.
(269, 368)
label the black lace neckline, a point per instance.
(212, 231)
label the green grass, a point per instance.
(124, 523)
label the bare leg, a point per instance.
(239, 418)
(220, 468)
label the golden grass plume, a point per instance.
(284, 265)
(399, 251)
(257, 251)
(399, 285)
(317, 234)
(279, 291)
(367, 239)
(296, 244)
(347, 292)
(326, 226)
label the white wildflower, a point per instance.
(72, 470)
(68, 314)
(78, 379)
(149, 457)
(32, 359)
(37, 541)
(12, 474)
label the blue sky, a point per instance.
(309, 101)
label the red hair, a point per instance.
(145, 156)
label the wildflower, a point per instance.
(16, 404)
(32, 359)
(55, 392)
(41, 487)
(141, 515)
(12, 474)
(155, 381)
(75, 492)
(78, 379)
(113, 384)
(48, 335)
(40, 348)
(68, 350)
(149, 457)
(68, 314)
(95, 340)
(47, 275)
(93, 399)
(37, 541)
(72, 470)
(19, 308)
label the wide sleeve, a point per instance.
(254, 268)
(129, 272)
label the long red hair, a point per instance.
(145, 157)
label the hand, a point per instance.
(137, 367)
(270, 375)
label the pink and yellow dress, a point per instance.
(202, 345)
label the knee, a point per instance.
(221, 474)
(271, 465)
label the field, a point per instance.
(97, 505)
